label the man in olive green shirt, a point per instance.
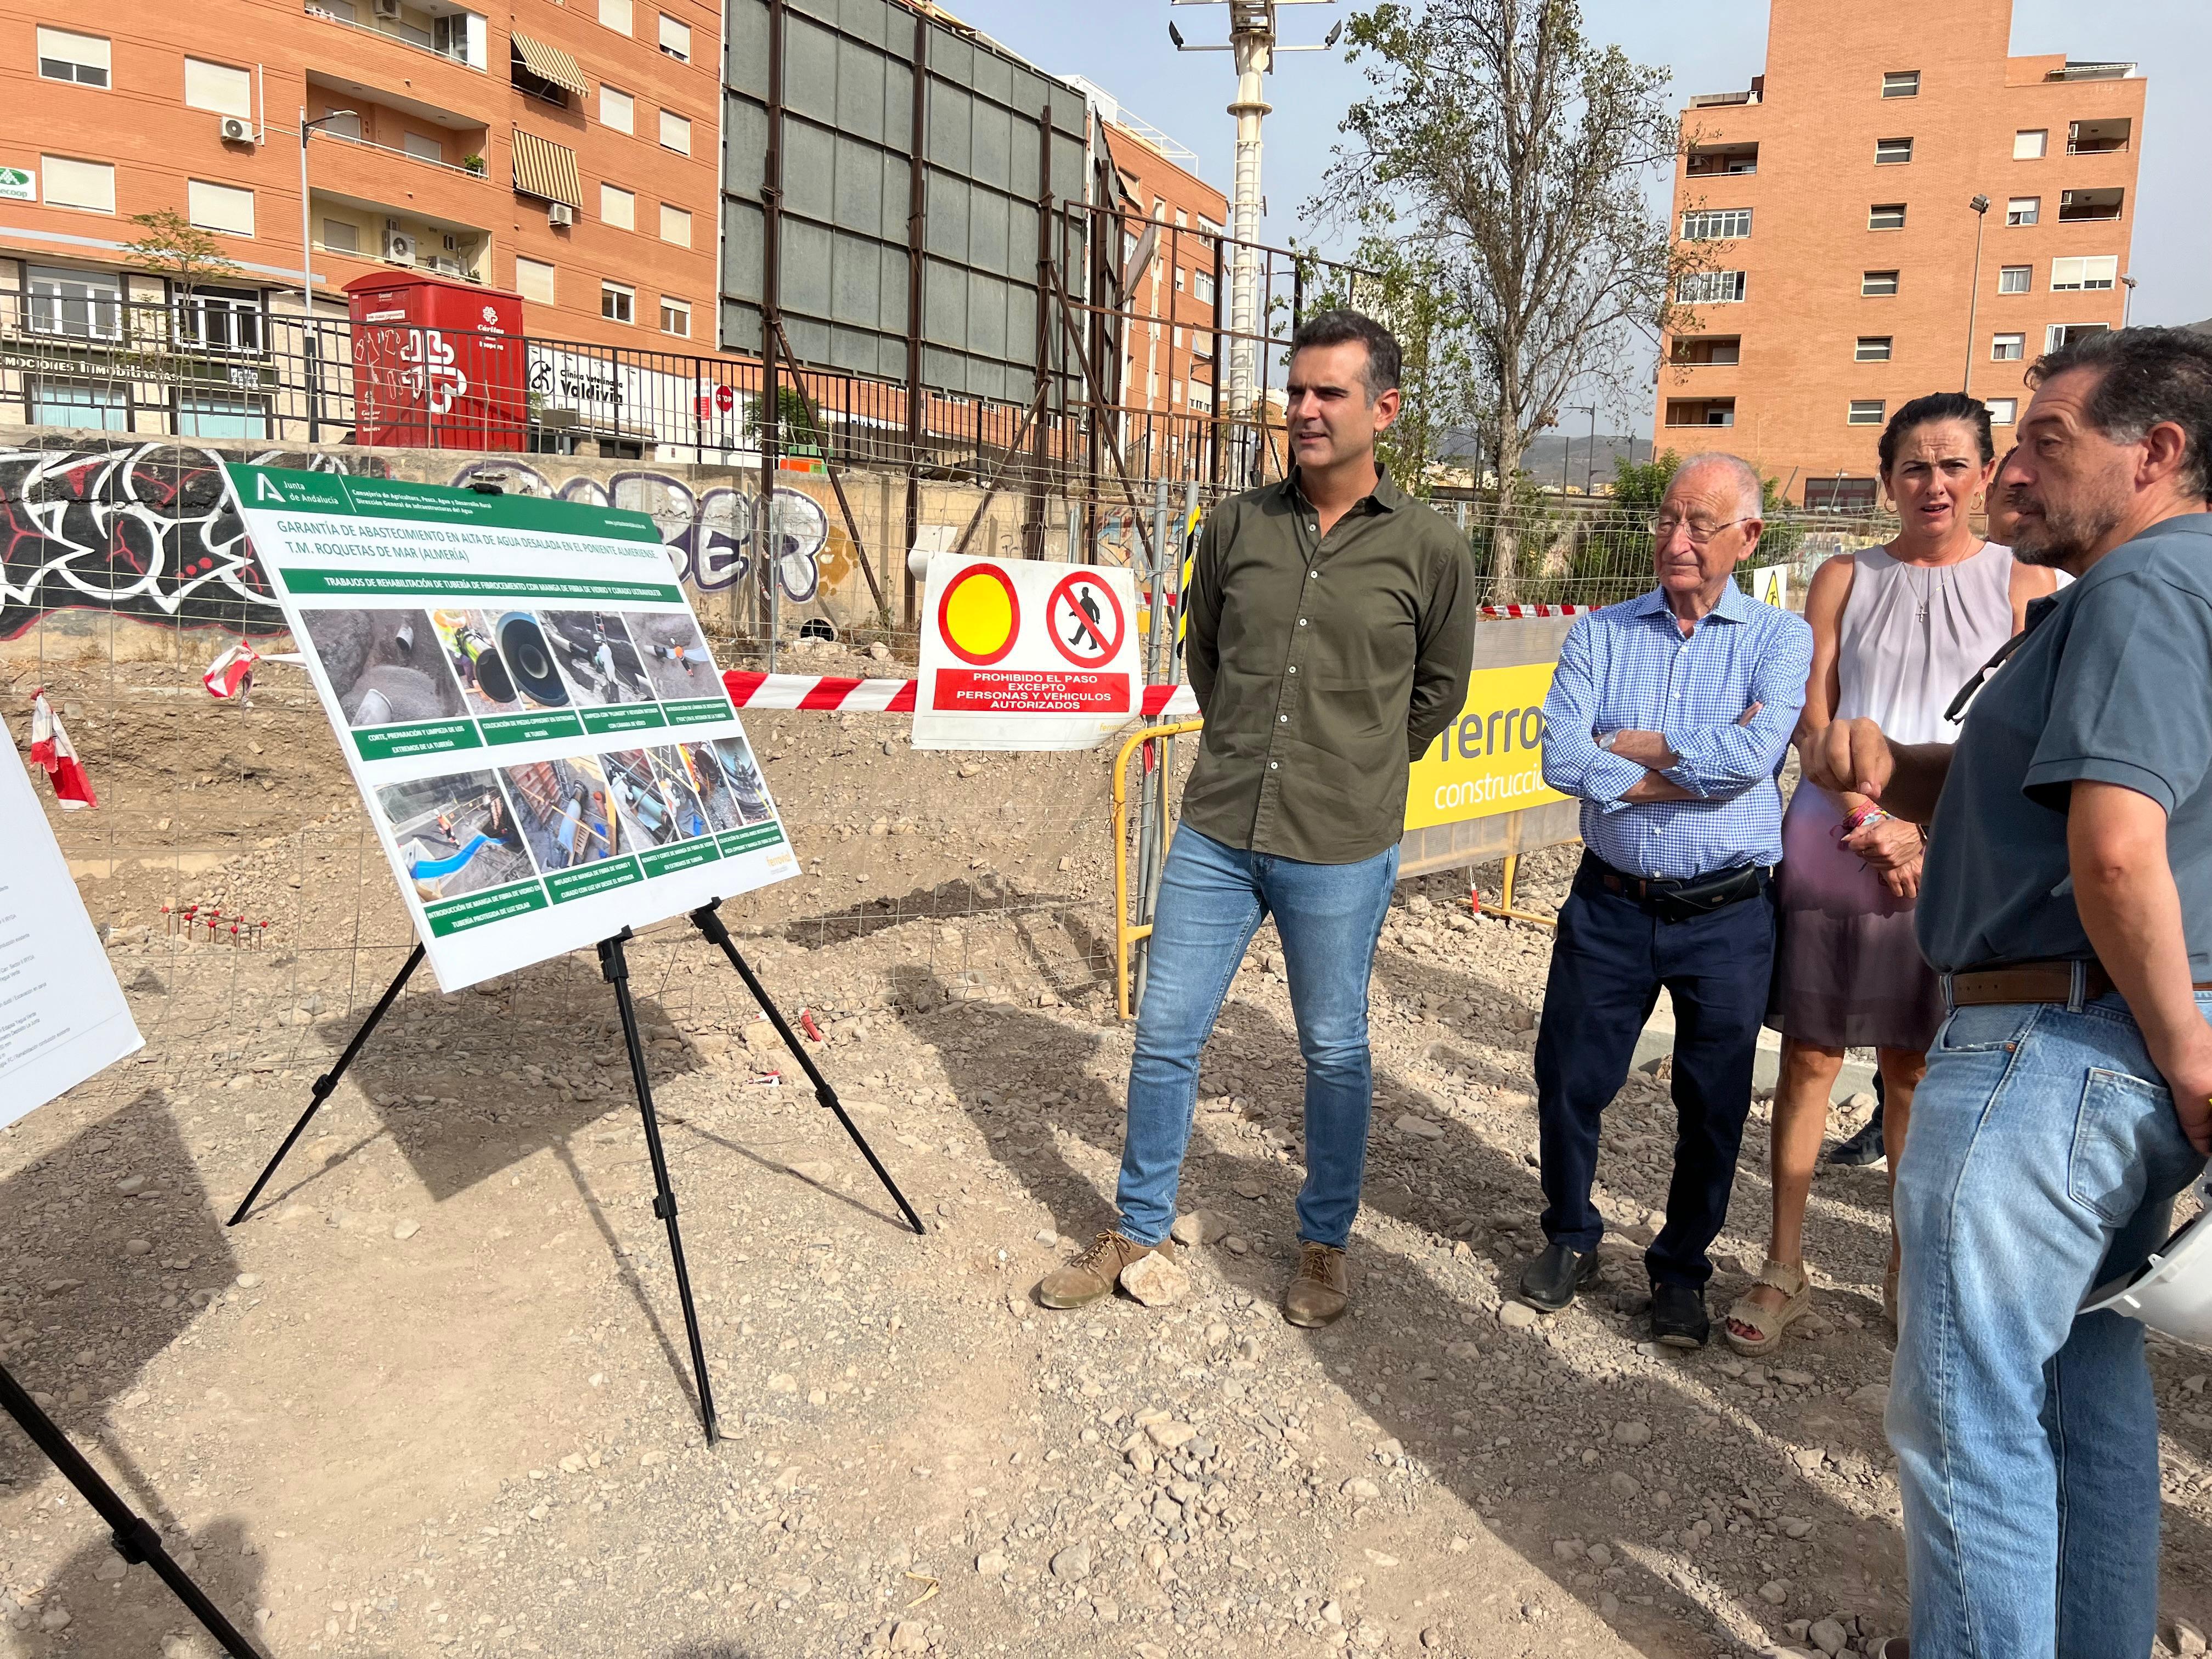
(1331, 629)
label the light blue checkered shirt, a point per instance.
(1628, 668)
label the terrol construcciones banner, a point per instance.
(529, 707)
(1491, 759)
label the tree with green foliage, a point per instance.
(797, 432)
(180, 250)
(1401, 288)
(1507, 153)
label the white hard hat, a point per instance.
(2173, 1290)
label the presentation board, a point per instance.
(62, 1017)
(1026, 654)
(532, 714)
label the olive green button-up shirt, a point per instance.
(1323, 665)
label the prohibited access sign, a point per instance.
(1023, 653)
(1087, 619)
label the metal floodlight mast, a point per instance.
(1252, 39)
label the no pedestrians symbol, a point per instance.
(1084, 619)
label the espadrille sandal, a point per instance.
(1768, 1323)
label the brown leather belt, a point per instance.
(2071, 982)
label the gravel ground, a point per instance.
(434, 1397)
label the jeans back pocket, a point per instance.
(2120, 1126)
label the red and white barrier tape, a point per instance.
(834, 692)
(1518, 611)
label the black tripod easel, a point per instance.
(709, 921)
(614, 964)
(133, 1537)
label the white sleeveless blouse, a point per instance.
(1912, 634)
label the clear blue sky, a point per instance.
(1712, 45)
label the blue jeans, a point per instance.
(1212, 899)
(2043, 1160)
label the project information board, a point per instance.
(62, 1017)
(528, 706)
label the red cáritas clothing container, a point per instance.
(436, 364)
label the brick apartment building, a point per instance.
(1169, 374)
(564, 152)
(1830, 206)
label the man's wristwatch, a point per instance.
(1606, 742)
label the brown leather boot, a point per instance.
(1319, 1292)
(1096, 1272)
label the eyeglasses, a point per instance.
(1700, 531)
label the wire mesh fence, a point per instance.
(1591, 552)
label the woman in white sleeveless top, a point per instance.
(1896, 630)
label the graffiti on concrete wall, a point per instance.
(145, 531)
(712, 535)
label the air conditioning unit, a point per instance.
(388, 10)
(400, 247)
(237, 130)
(560, 213)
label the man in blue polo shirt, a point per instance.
(1668, 716)
(2067, 903)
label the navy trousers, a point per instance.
(1611, 958)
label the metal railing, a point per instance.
(94, 360)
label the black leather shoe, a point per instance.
(1551, 1280)
(1678, 1317)
(1867, 1146)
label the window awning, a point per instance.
(544, 168)
(550, 63)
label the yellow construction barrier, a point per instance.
(1504, 909)
(1126, 933)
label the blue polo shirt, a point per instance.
(2113, 684)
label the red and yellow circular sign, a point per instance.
(978, 615)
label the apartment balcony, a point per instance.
(354, 39)
(1706, 350)
(2077, 206)
(434, 26)
(2106, 137)
(399, 124)
(1719, 161)
(397, 236)
(1720, 99)
(1700, 411)
(438, 176)
(2091, 72)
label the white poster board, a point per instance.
(1026, 654)
(532, 717)
(63, 1018)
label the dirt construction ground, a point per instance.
(434, 1397)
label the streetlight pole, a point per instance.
(2127, 300)
(1252, 39)
(306, 236)
(1981, 207)
(311, 349)
(1589, 458)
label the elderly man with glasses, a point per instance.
(1669, 718)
